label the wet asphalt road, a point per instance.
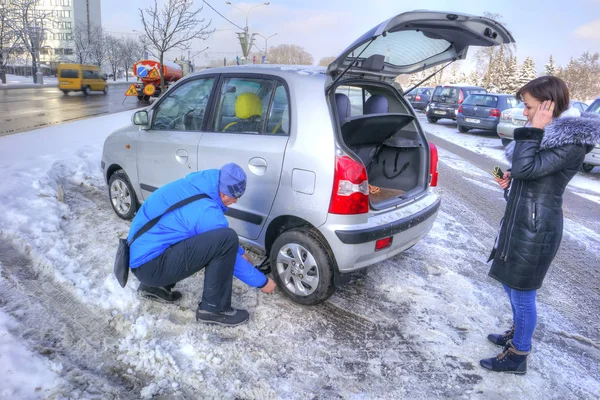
(31, 108)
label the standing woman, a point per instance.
(545, 155)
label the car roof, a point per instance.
(287, 71)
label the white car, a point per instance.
(592, 159)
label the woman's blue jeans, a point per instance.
(524, 316)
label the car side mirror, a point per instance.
(141, 118)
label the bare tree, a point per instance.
(9, 40)
(83, 45)
(491, 60)
(582, 75)
(174, 25)
(290, 54)
(114, 53)
(98, 46)
(325, 61)
(29, 22)
(131, 51)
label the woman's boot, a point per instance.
(510, 360)
(501, 339)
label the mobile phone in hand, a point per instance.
(497, 172)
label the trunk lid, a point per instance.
(414, 41)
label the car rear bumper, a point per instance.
(484, 123)
(435, 112)
(593, 158)
(418, 105)
(354, 245)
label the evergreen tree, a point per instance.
(551, 68)
(527, 72)
(511, 77)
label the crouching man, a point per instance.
(192, 237)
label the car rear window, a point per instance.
(595, 107)
(482, 100)
(475, 91)
(445, 94)
(69, 73)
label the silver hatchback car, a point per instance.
(340, 173)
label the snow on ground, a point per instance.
(487, 143)
(18, 81)
(411, 327)
(23, 374)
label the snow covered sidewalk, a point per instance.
(412, 327)
(26, 82)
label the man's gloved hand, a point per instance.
(269, 287)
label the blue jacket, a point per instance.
(192, 219)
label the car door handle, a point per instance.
(181, 156)
(257, 166)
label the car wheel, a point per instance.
(463, 129)
(65, 92)
(140, 98)
(86, 90)
(587, 167)
(432, 120)
(122, 196)
(105, 90)
(506, 142)
(302, 266)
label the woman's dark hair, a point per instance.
(548, 88)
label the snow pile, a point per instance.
(23, 374)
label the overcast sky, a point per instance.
(325, 27)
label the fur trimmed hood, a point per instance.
(570, 127)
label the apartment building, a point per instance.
(66, 14)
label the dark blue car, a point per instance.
(482, 111)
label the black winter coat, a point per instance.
(543, 163)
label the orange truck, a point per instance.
(147, 72)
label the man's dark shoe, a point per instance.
(510, 360)
(231, 317)
(501, 339)
(162, 294)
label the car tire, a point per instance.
(463, 129)
(122, 195)
(587, 167)
(302, 266)
(65, 92)
(105, 90)
(86, 90)
(432, 120)
(505, 142)
(140, 98)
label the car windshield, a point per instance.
(481, 100)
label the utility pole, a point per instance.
(246, 39)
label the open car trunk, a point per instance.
(394, 154)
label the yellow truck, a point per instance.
(78, 77)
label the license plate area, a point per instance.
(473, 120)
(439, 112)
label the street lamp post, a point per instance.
(266, 42)
(246, 40)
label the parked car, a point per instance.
(513, 118)
(510, 120)
(592, 159)
(419, 97)
(446, 99)
(482, 111)
(331, 188)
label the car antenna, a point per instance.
(426, 79)
(353, 61)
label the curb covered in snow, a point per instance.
(48, 85)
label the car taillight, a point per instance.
(461, 97)
(433, 165)
(418, 97)
(460, 108)
(494, 112)
(350, 193)
(383, 243)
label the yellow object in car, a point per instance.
(248, 105)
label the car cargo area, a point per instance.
(388, 142)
